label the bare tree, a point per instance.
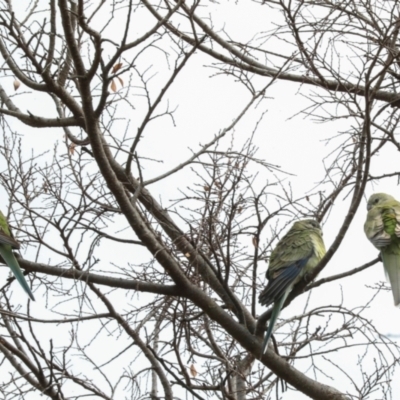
(147, 275)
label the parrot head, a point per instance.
(377, 199)
(307, 224)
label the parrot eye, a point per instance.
(376, 201)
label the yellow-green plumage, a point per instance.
(382, 228)
(298, 253)
(7, 243)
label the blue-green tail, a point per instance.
(275, 313)
(12, 262)
(391, 263)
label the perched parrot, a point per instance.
(7, 243)
(299, 251)
(382, 228)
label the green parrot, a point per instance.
(297, 254)
(7, 243)
(382, 228)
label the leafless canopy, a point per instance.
(146, 258)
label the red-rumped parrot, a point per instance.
(296, 254)
(7, 243)
(382, 228)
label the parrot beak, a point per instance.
(369, 206)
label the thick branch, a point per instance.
(128, 284)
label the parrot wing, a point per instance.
(286, 264)
(383, 230)
(6, 239)
(7, 243)
(383, 222)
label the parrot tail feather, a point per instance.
(391, 263)
(275, 313)
(12, 262)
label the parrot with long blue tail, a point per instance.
(295, 255)
(7, 243)
(382, 228)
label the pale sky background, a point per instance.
(207, 105)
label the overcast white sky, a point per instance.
(205, 106)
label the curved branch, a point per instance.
(248, 64)
(342, 275)
(170, 290)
